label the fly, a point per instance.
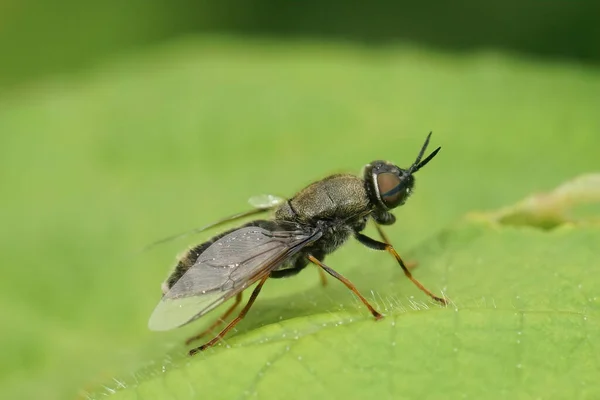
(303, 230)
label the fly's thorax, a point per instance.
(339, 196)
(336, 232)
(334, 240)
(285, 213)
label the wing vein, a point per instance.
(228, 266)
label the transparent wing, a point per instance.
(260, 203)
(224, 269)
(265, 201)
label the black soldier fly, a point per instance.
(304, 229)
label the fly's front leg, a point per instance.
(409, 264)
(377, 245)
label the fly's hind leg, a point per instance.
(234, 322)
(238, 300)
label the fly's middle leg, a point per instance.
(348, 284)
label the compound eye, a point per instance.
(389, 189)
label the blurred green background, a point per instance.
(38, 38)
(121, 123)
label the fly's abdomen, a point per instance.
(185, 262)
(192, 255)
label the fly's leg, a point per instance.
(238, 300)
(346, 282)
(235, 321)
(322, 276)
(377, 245)
(409, 264)
(299, 265)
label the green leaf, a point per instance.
(99, 165)
(549, 210)
(517, 321)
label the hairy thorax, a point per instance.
(338, 204)
(341, 196)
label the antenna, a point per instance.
(418, 164)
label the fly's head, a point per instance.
(388, 185)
